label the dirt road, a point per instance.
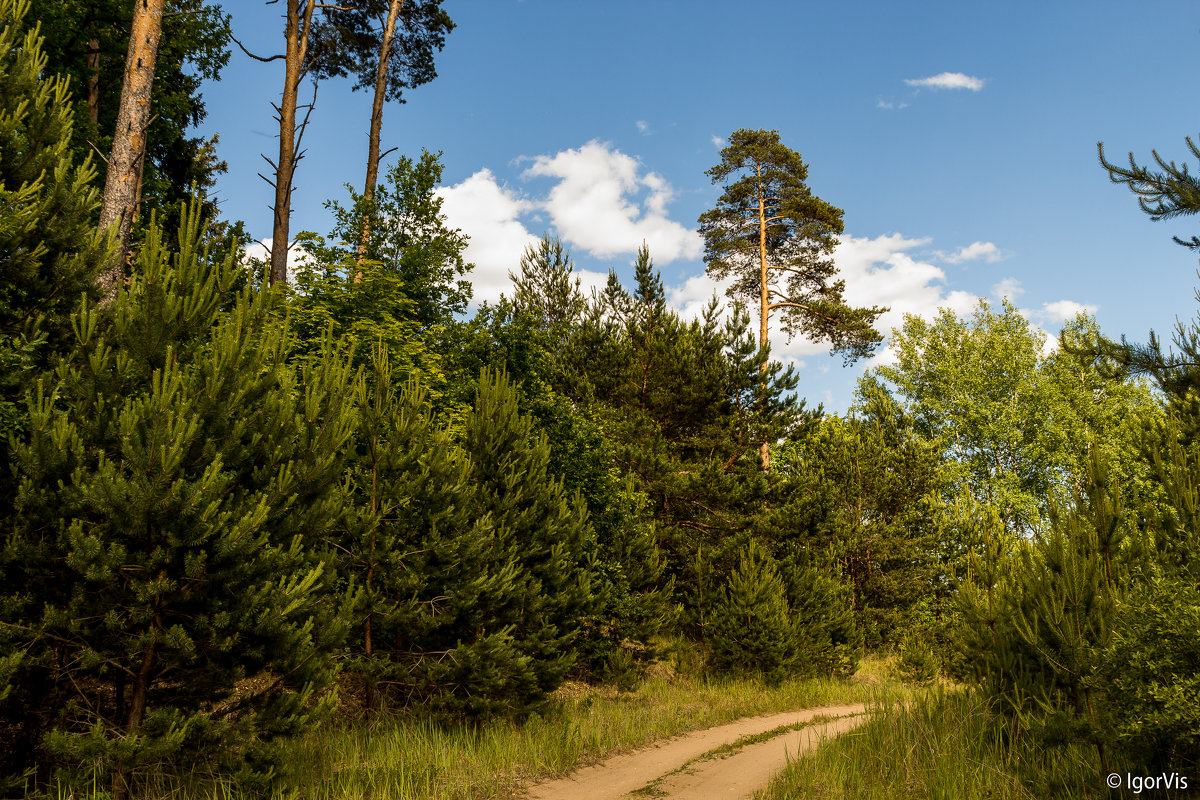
(686, 766)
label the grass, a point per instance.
(411, 758)
(408, 757)
(937, 745)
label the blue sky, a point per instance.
(959, 138)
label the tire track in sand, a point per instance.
(735, 775)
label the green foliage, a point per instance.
(544, 289)
(537, 549)
(409, 539)
(1015, 425)
(1151, 671)
(164, 582)
(48, 241)
(629, 592)
(346, 42)
(751, 629)
(864, 491)
(769, 211)
(822, 611)
(686, 408)
(1040, 614)
(417, 261)
(1166, 194)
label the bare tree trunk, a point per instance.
(137, 711)
(129, 139)
(296, 34)
(764, 301)
(381, 71)
(93, 82)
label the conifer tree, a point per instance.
(544, 289)
(412, 541)
(774, 237)
(49, 248)
(631, 602)
(163, 577)
(751, 629)
(538, 532)
(822, 610)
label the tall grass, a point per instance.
(938, 745)
(407, 757)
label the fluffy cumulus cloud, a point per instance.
(602, 203)
(1009, 287)
(947, 80)
(1063, 311)
(882, 272)
(605, 203)
(976, 251)
(490, 214)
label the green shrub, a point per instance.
(1152, 671)
(751, 630)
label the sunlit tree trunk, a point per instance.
(764, 299)
(296, 30)
(129, 139)
(381, 71)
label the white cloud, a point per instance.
(595, 205)
(986, 251)
(948, 80)
(880, 272)
(877, 271)
(643, 126)
(719, 141)
(690, 298)
(888, 104)
(1064, 310)
(490, 214)
(1009, 287)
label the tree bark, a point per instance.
(129, 139)
(137, 710)
(93, 82)
(764, 300)
(381, 72)
(296, 35)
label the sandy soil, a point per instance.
(734, 775)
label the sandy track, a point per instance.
(734, 775)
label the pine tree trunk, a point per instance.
(381, 71)
(93, 82)
(764, 301)
(137, 712)
(285, 167)
(129, 139)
